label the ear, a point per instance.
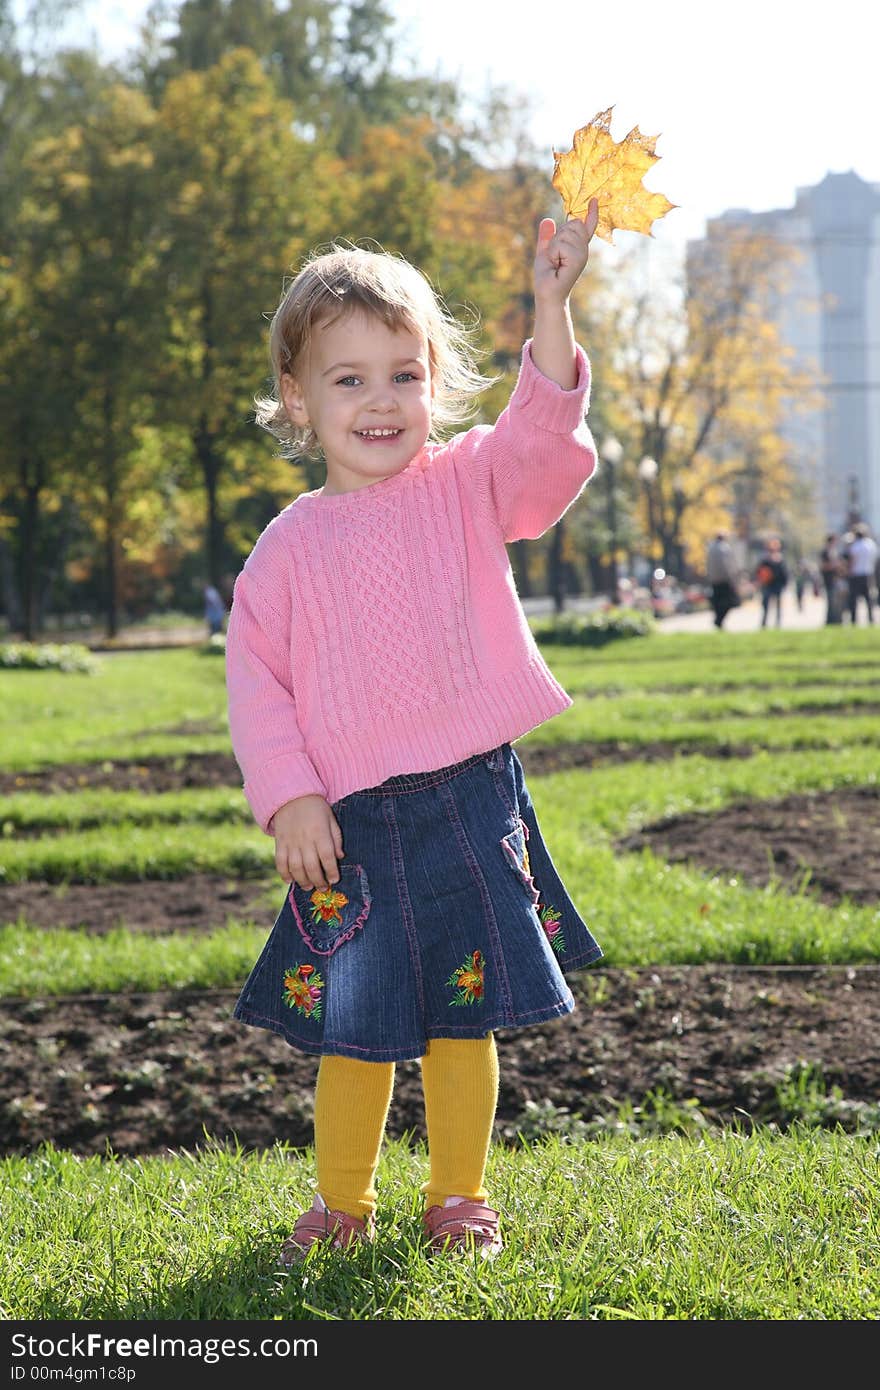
(293, 400)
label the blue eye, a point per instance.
(346, 381)
(406, 376)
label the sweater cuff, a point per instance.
(280, 781)
(550, 407)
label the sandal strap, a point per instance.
(462, 1220)
(336, 1226)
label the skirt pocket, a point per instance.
(516, 852)
(328, 917)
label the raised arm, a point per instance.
(560, 259)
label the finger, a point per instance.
(573, 236)
(313, 870)
(336, 832)
(305, 878)
(328, 860)
(282, 865)
(296, 873)
(592, 218)
(546, 233)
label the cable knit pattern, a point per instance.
(374, 547)
(379, 631)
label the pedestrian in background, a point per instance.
(803, 577)
(215, 610)
(829, 569)
(721, 574)
(772, 577)
(862, 560)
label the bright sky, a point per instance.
(749, 100)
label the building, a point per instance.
(829, 314)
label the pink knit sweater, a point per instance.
(379, 631)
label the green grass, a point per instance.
(138, 704)
(723, 661)
(643, 910)
(26, 812)
(166, 850)
(666, 718)
(721, 1227)
(613, 1223)
(720, 689)
(36, 963)
(171, 703)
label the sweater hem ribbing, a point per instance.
(479, 720)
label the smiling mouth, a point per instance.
(378, 434)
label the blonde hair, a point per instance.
(335, 283)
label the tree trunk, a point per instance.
(111, 554)
(9, 589)
(611, 516)
(555, 568)
(520, 551)
(210, 465)
(30, 538)
(53, 558)
(111, 572)
(595, 571)
(32, 478)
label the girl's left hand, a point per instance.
(561, 255)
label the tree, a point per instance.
(518, 196)
(242, 193)
(334, 61)
(42, 91)
(89, 238)
(32, 426)
(294, 45)
(363, 87)
(698, 388)
(52, 104)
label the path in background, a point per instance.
(747, 618)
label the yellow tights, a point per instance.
(352, 1098)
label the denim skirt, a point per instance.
(449, 920)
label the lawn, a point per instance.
(691, 1223)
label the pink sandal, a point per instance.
(463, 1226)
(320, 1225)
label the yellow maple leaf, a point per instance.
(611, 172)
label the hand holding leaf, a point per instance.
(598, 167)
(561, 255)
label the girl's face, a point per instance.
(365, 389)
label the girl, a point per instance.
(379, 667)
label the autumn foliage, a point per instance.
(147, 225)
(599, 167)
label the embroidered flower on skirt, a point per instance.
(449, 919)
(467, 980)
(303, 988)
(329, 917)
(326, 904)
(551, 921)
